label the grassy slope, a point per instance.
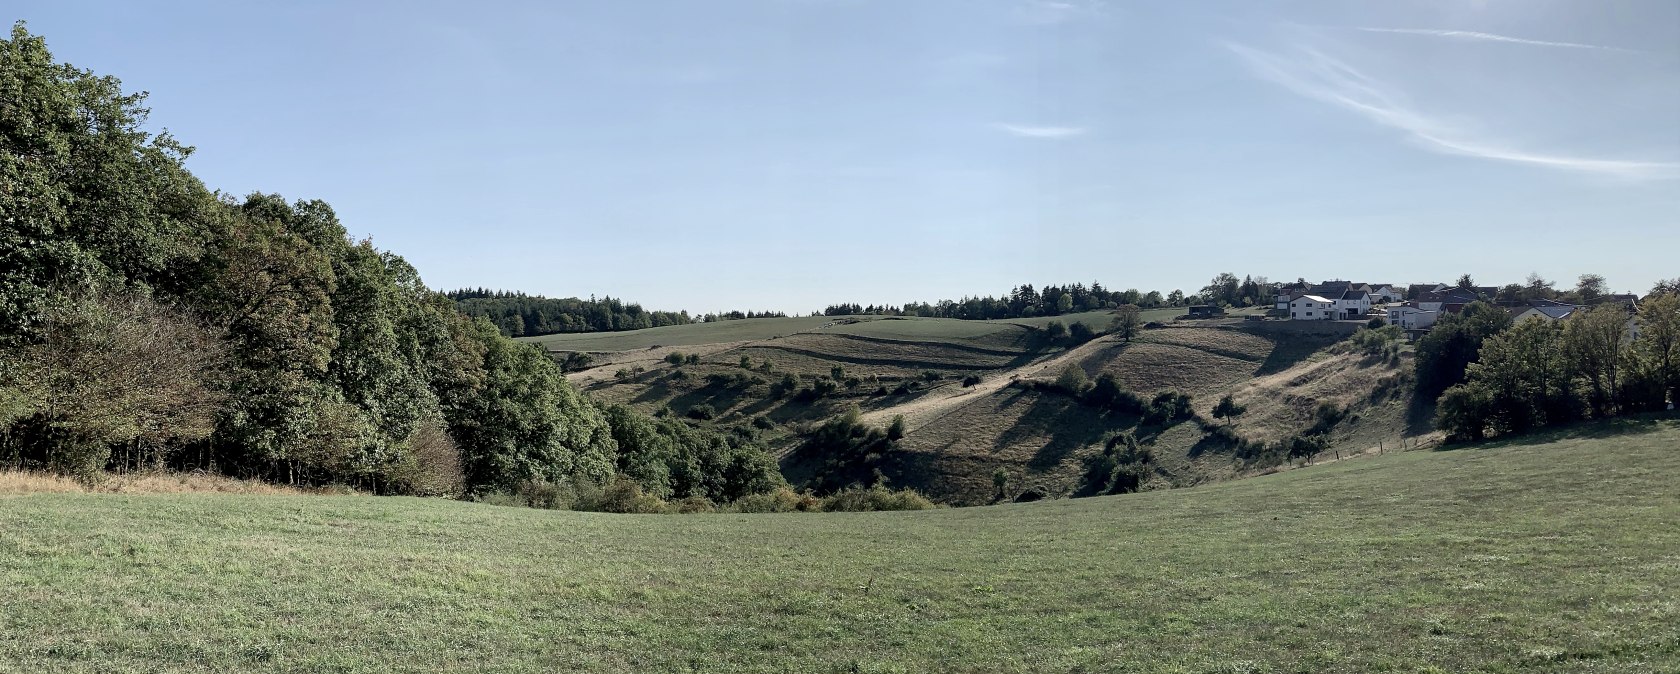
(769, 328)
(1558, 557)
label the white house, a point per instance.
(1353, 304)
(1312, 308)
(1410, 317)
(1386, 293)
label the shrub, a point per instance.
(1055, 330)
(837, 373)
(779, 500)
(1072, 379)
(930, 375)
(431, 466)
(1081, 332)
(903, 389)
(971, 380)
(895, 430)
(695, 504)
(621, 495)
(746, 363)
(702, 412)
(763, 422)
(674, 358)
(876, 498)
(692, 359)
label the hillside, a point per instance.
(1558, 556)
(960, 434)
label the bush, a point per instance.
(621, 495)
(763, 423)
(746, 363)
(876, 498)
(930, 375)
(1081, 333)
(431, 466)
(702, 412)
(971, 380)
(1072, 379)
(780, 500)
(1055, 330)
(1167, 407)
(692, 359)
(674, 358)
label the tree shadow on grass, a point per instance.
(1068, 424)
(1633, 424)
(1290, 349)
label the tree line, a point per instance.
(148, 322)
(517, 314)
(1490, 376)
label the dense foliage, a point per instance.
(146, 321)
(517, 314)
(1597, 363)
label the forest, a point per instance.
(148, 322)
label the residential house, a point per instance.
(1409, 317)
(1417, 290)
(1383, 292)
(1450, 300)
(1287, 292)
(1547, 310)
(1312, 308)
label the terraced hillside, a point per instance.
(961, 432)
(1554, 556)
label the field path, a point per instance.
(944, 400)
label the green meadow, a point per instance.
(1558, 554)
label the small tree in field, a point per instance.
(1055, 330)
(1128, 320)
(1000, 481)
(1228, 410)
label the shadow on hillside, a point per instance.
(1068, 425)
(1290, 349)
(1637, 424)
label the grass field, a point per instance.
(768, 328)
(1561, 556)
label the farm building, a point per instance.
(1206, 311)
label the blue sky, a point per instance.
(786, 154)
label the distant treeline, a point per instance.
(517, 314)
(1025, 301)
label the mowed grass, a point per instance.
(1561, 556)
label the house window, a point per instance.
(1309, 313)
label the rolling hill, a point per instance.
(1553, 556)
(961, 433)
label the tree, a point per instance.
(112, 370)
(1080, 332)
(1055, 330)
(1228, 409)
(1657, 348)
(1444, 354)
(1000, 482)
(1463, 412)
(1064, 304)
(1525, 373)
(1175, 298)
(1593, 342)
(1466, 282)
(1128, 320)
(1589, 289)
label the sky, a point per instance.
(789, 154)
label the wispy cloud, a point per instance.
(1321, 77)
(1487, 37)
(1058, 11)
(1052, 132)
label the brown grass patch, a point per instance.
(17, 483)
